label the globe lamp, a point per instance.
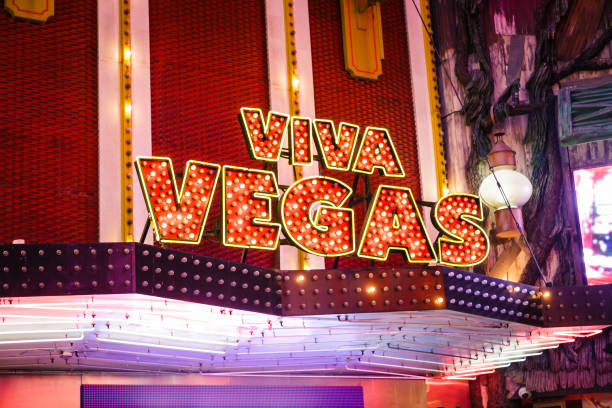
(516, 186)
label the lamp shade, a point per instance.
(517, 187)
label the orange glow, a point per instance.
(371, 289)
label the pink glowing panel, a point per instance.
(594, 201)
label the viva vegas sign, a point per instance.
(312, 212)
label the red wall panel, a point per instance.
(208, 59)
(49, 126)
(386, 102)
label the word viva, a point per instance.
(312, 213)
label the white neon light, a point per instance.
(174, 338)
(433, 370)
(4, 333)
(56, 340)
(460, 377)
(153, 345)
(416, 360)
(532, 348)
(307, 351)
(578, 333)
(229, 373)
(390, 374)
(484, 367)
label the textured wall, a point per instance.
(49, 126)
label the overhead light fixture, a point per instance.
(516, 187)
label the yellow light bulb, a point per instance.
(128, 109)
(127, 54)
(295, 82)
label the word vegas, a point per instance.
(311, 211)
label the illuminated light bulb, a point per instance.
(128, 109)
(439, 300)
(295, 82)
(371, 289)
(546, 294)
(300, 278)
(127, 54)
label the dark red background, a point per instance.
(49, 126)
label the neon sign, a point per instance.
(313, 213)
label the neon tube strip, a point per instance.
(84, 361)
(58, 340)
(390, 374)
(187, 328)
(578, 333)
(92, 352)
(433, 370)
(153, 345)
(458, 377)
(145, 309)
(442, 381)
(534, 348)
(416, 360)
(240, 373)
(292, 366)
(486, 367)
(44, 320)
(4, 333)
(164, 315)
(148, 324)
(307, 351)
(166, 356)
(269, 342)
(176, 338)
(476, 373)
(501, 360)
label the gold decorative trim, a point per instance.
(34, 10)
(127, 207)
(293, 83)
(362, 38)
(434, 101)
